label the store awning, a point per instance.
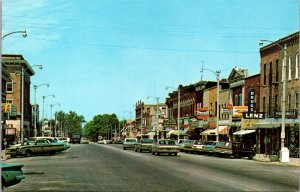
(174, 132)
(184, 132)
(150, 133)
(223, 130)
(244, 132)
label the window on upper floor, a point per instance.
(289, 102)
(264, 104)
(297, 67)
(236, 100)
(290, 68)
(9, 87)
(297, 100)
(282, 74)
(271, 74)
(277, 71)
(265, 74)
(240, 99)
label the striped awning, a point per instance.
(223, 130)
(244, 132)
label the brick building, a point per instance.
(271, 70)
(17, 67)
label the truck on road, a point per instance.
(75, 138)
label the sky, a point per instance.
(102, 56)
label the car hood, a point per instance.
(7, 165)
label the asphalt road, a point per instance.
(95, 167)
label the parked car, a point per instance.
(209, 147)
(11, 174)
(236, 149)
(165, 146)
(197, 147)
(143, 145)
(188, 145)
(129, 143)
(36, 146)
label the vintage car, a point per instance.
(188, 145)
(197, 147)
(143, 145)
(236, 149)
(129, 143)
(210, 147)
(11, 174)
(165, 146)
(36, 146)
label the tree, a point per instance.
(71, 122)
(101, 125)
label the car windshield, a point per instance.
(130, 140)
(166, 142)
(146, 141)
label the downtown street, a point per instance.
(96, 167)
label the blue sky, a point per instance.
(102, 56)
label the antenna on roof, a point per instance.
(202, 70)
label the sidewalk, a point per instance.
(264, 158)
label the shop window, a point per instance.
(297, 100)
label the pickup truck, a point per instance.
(37, 146)
(165, 146)
(236, 149)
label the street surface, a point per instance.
(95, 167)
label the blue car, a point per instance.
(11, 174)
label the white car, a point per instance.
(129, 143)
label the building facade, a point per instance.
(20, 72)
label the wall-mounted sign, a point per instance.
(288, 114)
(226, 111)
(202, 113)
(254, 115)
(238, 111)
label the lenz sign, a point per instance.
(252, 114)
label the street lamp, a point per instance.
(284, 151)
(24, 34)
(156, 127)
(22, 101)
(35, 110)
(178, 112)
(51, 106)
(217, 73)
(43, 125)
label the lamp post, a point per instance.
(35, 110)
(24, 33)
(217, 73)
(284, 151)
(178, 113)
(22, 101)
(156, 127)
(43, 125)
(51, 106)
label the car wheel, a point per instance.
(175, 154)
(135, 149)
(2, 183)
(236, 155)
(28, 153)
(158, 154)
(124, 148)
(250, 156)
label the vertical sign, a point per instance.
(251, 101)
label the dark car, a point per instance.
(236, 149)
(11, 174)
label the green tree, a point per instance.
(101, 125)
